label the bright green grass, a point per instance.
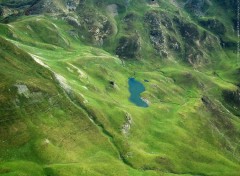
(176, 135)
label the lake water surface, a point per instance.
(135, 89)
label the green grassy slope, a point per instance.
(61, 116)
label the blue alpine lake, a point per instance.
(135, 89)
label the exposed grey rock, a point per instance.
(23, 90)
(173, 44)
(72, 5)
(156, 34)
(129, 20)
(189, 31)
(232, 97)
(128, 47)
(127, 125)
(112, 9)
(17, 4)
(44, 6)
(96, 26)
(73, 21)
(152, 19)
(197, 7)
(213, 25)
(63, 82)
(1, 11)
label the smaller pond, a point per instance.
(135, 89)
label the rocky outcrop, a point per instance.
(166, 21)
(189, 32)
(112, 9)
(152, 18)
(193, 56)
(1, 11)
(8, 14)
(194, 42)
(95, 26)
(172, 35)
(127, 125)
(128, 47)
(44, 6)
(49, 6)
(158, 40)
(129, 21)
(73, 21)
(100, 30)
(22, 90)
(228, 43)
(72, 5)
(213, 25)
(232, 97)
(18, 3)
(156, 35)
(197, 7)
(173, 44)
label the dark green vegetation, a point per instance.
(64, 107)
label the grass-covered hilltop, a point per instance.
(66, 71)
